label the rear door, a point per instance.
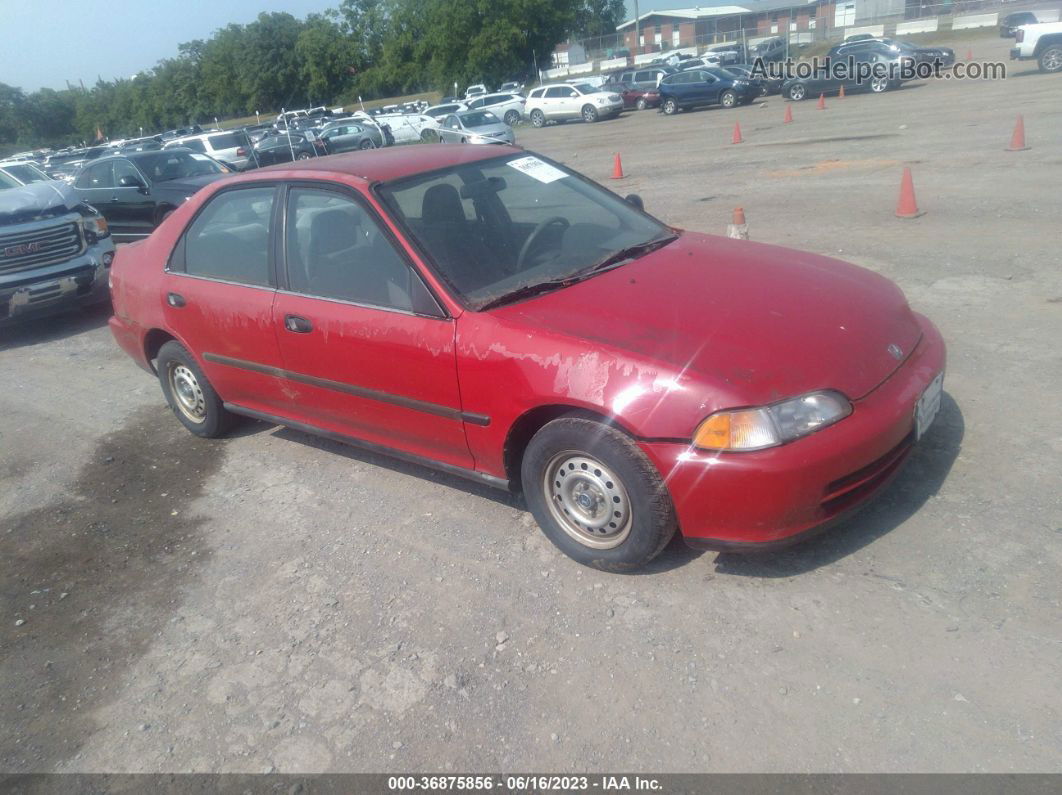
(218, 296)
(95, 186)
(368, 353)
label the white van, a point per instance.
(231, 148)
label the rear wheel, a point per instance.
(303, 156)
(366, 144)
(670, 107)
(512, 118)
(538, 118)
(189, 393)
(728, 99)
(596, 495)
(429, 137)
(797, 92)
(589, 114)
(1051, 58)
(879, 85)
(640, 104)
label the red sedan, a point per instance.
(634, 97)
(488, 312)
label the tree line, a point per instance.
(367, 48)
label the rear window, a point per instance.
(226, 141)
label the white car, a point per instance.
(405, 127)
(474, 127)
(700, 63)
(438, 111)
(507, 107)
(563, 101)
(231, 148)
(1042, 42)
(477, 90)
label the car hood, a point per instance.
(489, 130)
(36, 200)
(760, 323)
(186, 186)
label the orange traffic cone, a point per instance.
(736, 137)
(822, 102)
(788, 115)
(969, 55)
(841, 94)
(617, 168)
(1017, 140)
(907, 207)
(737, 228)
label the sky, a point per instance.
(45, 47)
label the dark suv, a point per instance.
(643, 79)
(705, 87)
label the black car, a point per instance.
(137, 190)
(1011, 22)
(767, 83)
(942, 56)
(708, 86)
(837, 74)
(283, 147)
(64, 164)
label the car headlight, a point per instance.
(95, 228)
(770, 426)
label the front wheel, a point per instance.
(366, 144)
(1051, 58)
(596, 495)
(538, 118)
(797, 92)
(728, 99)
(670, 107)
(189, 393)
(879, 85)
(589, 114)
(512, 118)
(640, 104)
(303, 156)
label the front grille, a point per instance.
(20, 251)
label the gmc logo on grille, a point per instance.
(24, 248)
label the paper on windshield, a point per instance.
(537, 169)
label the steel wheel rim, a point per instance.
(728, 100)
(669, 107)
(879, 84)
(587, 500)
(588, 114)
(796, 92)
(640, 104)
(187, 393)
(1053, 59)
(537, 119)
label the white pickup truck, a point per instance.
(1042, 42)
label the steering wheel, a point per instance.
(538, 230)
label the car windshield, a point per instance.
(497, 229)
(173, 164)
(26, 173)
(586, 88)
(482, 118)
(7, 182)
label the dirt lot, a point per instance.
(274, 602)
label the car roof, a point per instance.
(391, 163)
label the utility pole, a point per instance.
(637, 28)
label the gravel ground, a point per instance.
(271, 601)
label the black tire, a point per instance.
(670, 107)
(589, 114)
(366, 143)
(174, 363)
(879, 85)
(538, 118)
(165, 213)
(1050, 60)
(430, 136)
(728, 99)
(640, 104)
(303, 156)
(629, 482)
(512, 118)
(798, 92)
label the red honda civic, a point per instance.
(488, 312)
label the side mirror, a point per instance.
(129, 181)
(635, 200)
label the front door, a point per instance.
(218, 297)
(132, 206)
(359, 360)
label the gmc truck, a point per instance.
(55, 250)
(1041, 42)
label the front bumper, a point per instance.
(1015, 54)
(753, 500)
(80, 281)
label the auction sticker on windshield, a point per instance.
(534, 167)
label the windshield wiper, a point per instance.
(611, 261)
(624, 255)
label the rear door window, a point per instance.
(229, 239)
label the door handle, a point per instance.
(175, 300)
(299, 325)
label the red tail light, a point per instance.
(1019, 35)
(241, 152)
